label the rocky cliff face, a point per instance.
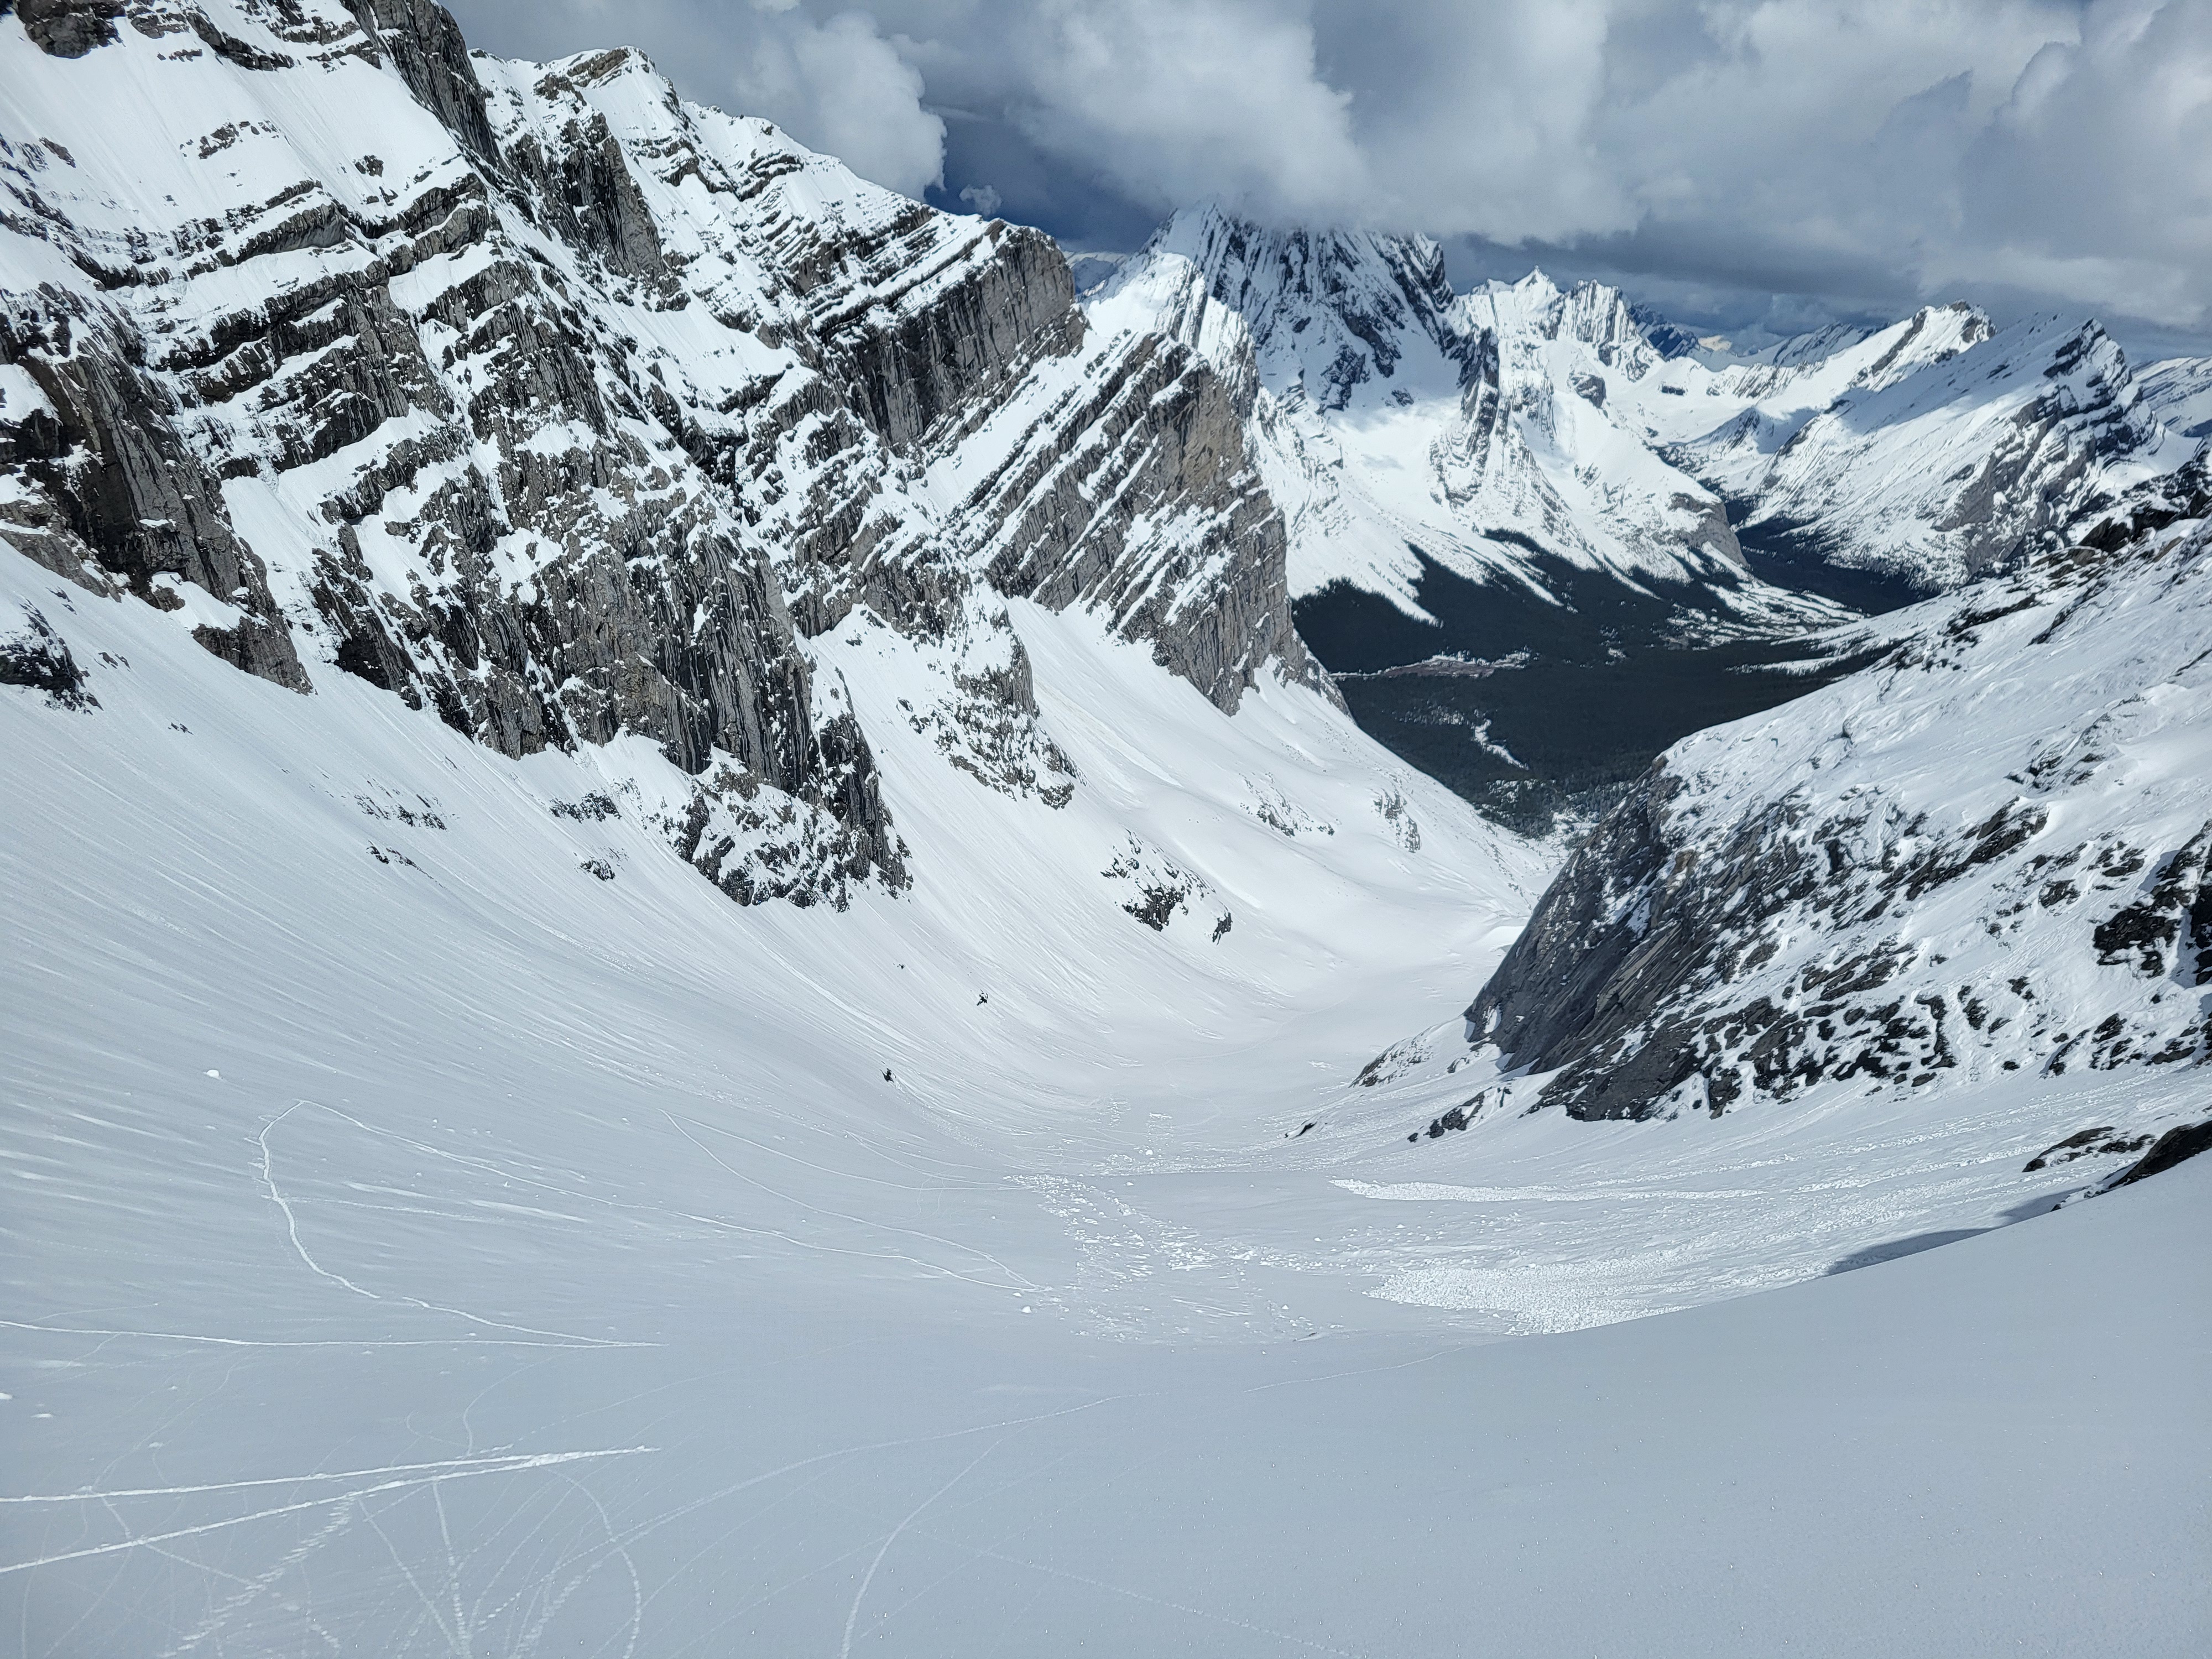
(1191, 555)
(539, 399)
(107, 491)
(1985, 854)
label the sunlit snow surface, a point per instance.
(436, 1249)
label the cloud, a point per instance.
(839, 86)
(2094, 177)
(1175, 99)
(1868, 151)
(833, 82)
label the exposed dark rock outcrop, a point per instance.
(37, 659)
(2101, 1141)
(1008, 298)
(2176, 1145)
(70, 28)
(2169, 929)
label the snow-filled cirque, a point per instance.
(694, 964)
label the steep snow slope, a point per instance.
(420, 1243)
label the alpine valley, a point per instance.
(731, 927)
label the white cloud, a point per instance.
(2094, 177)
(1481, 118)
(2052, 148)
(1175, 99)
(839, 86)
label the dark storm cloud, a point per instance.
(1851, 156)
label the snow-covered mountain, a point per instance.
(1935, 451)
(538, 398)
(1400, 420)
(1982, 858)
(464, 522)
(2179, 392)
(1496, 430)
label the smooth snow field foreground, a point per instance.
(418, 1243)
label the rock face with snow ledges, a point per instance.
(544, 400)
(2179, 392)
(1987, 852)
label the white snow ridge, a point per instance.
(693, 963)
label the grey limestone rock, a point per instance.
(1160, 434)
(70, 28)
(126, 500)
(523, 509)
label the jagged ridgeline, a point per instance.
(541, 399)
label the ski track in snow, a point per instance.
(300, 1249)
(347, 1497)
(487, 1151)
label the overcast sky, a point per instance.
(1746, 167)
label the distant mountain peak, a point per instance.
(1328, 311)
(1667, 337)
(1597, 429)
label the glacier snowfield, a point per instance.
(418, 1243)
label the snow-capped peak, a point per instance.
(1520, 422)
(1334, 314)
